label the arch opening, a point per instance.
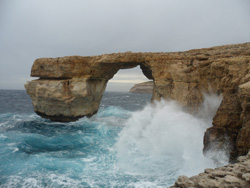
(126, 78)
(118, 90)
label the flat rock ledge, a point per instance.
(233, 175)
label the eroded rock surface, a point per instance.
(233, 175)
(66, 100)
(145, 87)
(71, 87)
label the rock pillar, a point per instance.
(66, 100)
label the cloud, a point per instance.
(44, 28)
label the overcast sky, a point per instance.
(31, 29)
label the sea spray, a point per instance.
(127, 144)
(164, 139)
(207, 112)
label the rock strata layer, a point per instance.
(71, 87)
(233, 175)
(145, 87)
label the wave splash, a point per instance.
(164, 140)
(115, 148)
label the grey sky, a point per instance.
(51, 28)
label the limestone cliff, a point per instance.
(71, 87)
(145, 87)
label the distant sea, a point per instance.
(128, 143)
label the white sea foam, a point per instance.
(36, 181)
(164, 139)
(154, 147)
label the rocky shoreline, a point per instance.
(71, 87)
(235, 175)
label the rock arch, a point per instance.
(71, 87)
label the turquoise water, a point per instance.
(129, 143)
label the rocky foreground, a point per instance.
(145, 87)
(71, 87)
(231, 176)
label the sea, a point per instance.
(130, 142)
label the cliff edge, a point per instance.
(72, 87)
(145, 87)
